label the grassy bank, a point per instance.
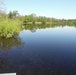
(9, 27)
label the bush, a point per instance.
(9, 28)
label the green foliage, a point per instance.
(10, 15)
(33, 19)
(29, 18)
(8, 28)
(10, 24)
(13, 14)
(38, 23)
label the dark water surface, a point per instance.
(49, 51)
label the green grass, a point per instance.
(9, 28)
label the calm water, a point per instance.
(48, 51)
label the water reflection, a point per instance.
(4, 65)
(7, 44)
(7, 54)
(48, 51)
(33, 28)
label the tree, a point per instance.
(10, 15)
(2, 10)
(2, 7)
(13, 14)
(1, 3)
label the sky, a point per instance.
(50, 8)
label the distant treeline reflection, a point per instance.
(34, 27)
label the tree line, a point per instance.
(33, 19)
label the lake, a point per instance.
(40, 51)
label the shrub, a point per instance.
(9, 28)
